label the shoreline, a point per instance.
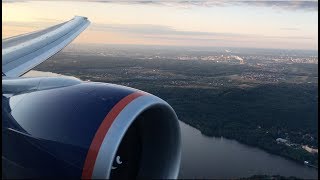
(261, 148)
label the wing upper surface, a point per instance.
(24, 52)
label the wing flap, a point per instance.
(22, 53)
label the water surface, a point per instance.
(210, 157)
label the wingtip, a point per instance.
(83, 17)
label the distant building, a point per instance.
(280, 140)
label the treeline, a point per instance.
(256, 116)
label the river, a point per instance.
(211, 157)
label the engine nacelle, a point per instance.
(63, 127)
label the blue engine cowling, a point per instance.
(64, 127)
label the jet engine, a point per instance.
(65, 127)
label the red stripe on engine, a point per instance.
(101, 133)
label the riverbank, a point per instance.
(269, 150)
(221, 158)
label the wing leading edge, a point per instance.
(22, 53)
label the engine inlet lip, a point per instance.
(103, 164)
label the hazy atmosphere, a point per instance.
(254, 24)
(241, 76)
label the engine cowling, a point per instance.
(64, 127)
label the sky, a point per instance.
(253, 24)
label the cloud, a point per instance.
(160, 34)
(146, 29)
(290, 29)
(12, 1)
(160, 31)
(284, 5)
(35, 24)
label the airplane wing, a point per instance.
(22, 53)
(67, 128)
